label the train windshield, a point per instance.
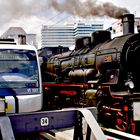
(18, 69)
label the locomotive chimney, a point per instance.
(128, 23)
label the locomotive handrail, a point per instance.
(106, 49)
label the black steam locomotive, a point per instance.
(101, 72)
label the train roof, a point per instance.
(17, 46)
(9, 43)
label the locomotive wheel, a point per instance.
(133, 127)
(121, 119)
(125, 122)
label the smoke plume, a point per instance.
(18, 9)
(88, 8)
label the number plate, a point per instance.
(44, 121)
(136, 111)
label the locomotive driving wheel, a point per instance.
(121, 122)
(124, 121)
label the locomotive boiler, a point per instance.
(101, 72)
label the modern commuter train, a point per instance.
(20, 77)
(100, 71)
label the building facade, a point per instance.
(20, 36)
(54, 36)
(85, 29)
(32, 39)
(117, 29)
(65, 35)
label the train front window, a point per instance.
(18, 69)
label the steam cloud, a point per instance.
(15, 9)
(89, 8)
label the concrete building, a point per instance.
(65, 35)
(117, 29)
(85, 29)
(32, 39)
(54, 36)
(20, 36)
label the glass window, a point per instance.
(18, 69)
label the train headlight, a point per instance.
(130, 84)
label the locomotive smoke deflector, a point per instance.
(128, 23)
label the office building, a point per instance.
(60, 35)
(85, 29)
(65, 35)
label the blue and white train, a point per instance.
(20, 82)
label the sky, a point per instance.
(32, 14)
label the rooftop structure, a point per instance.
(20, 36)
(12, 31)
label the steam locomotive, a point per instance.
(101, 72)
